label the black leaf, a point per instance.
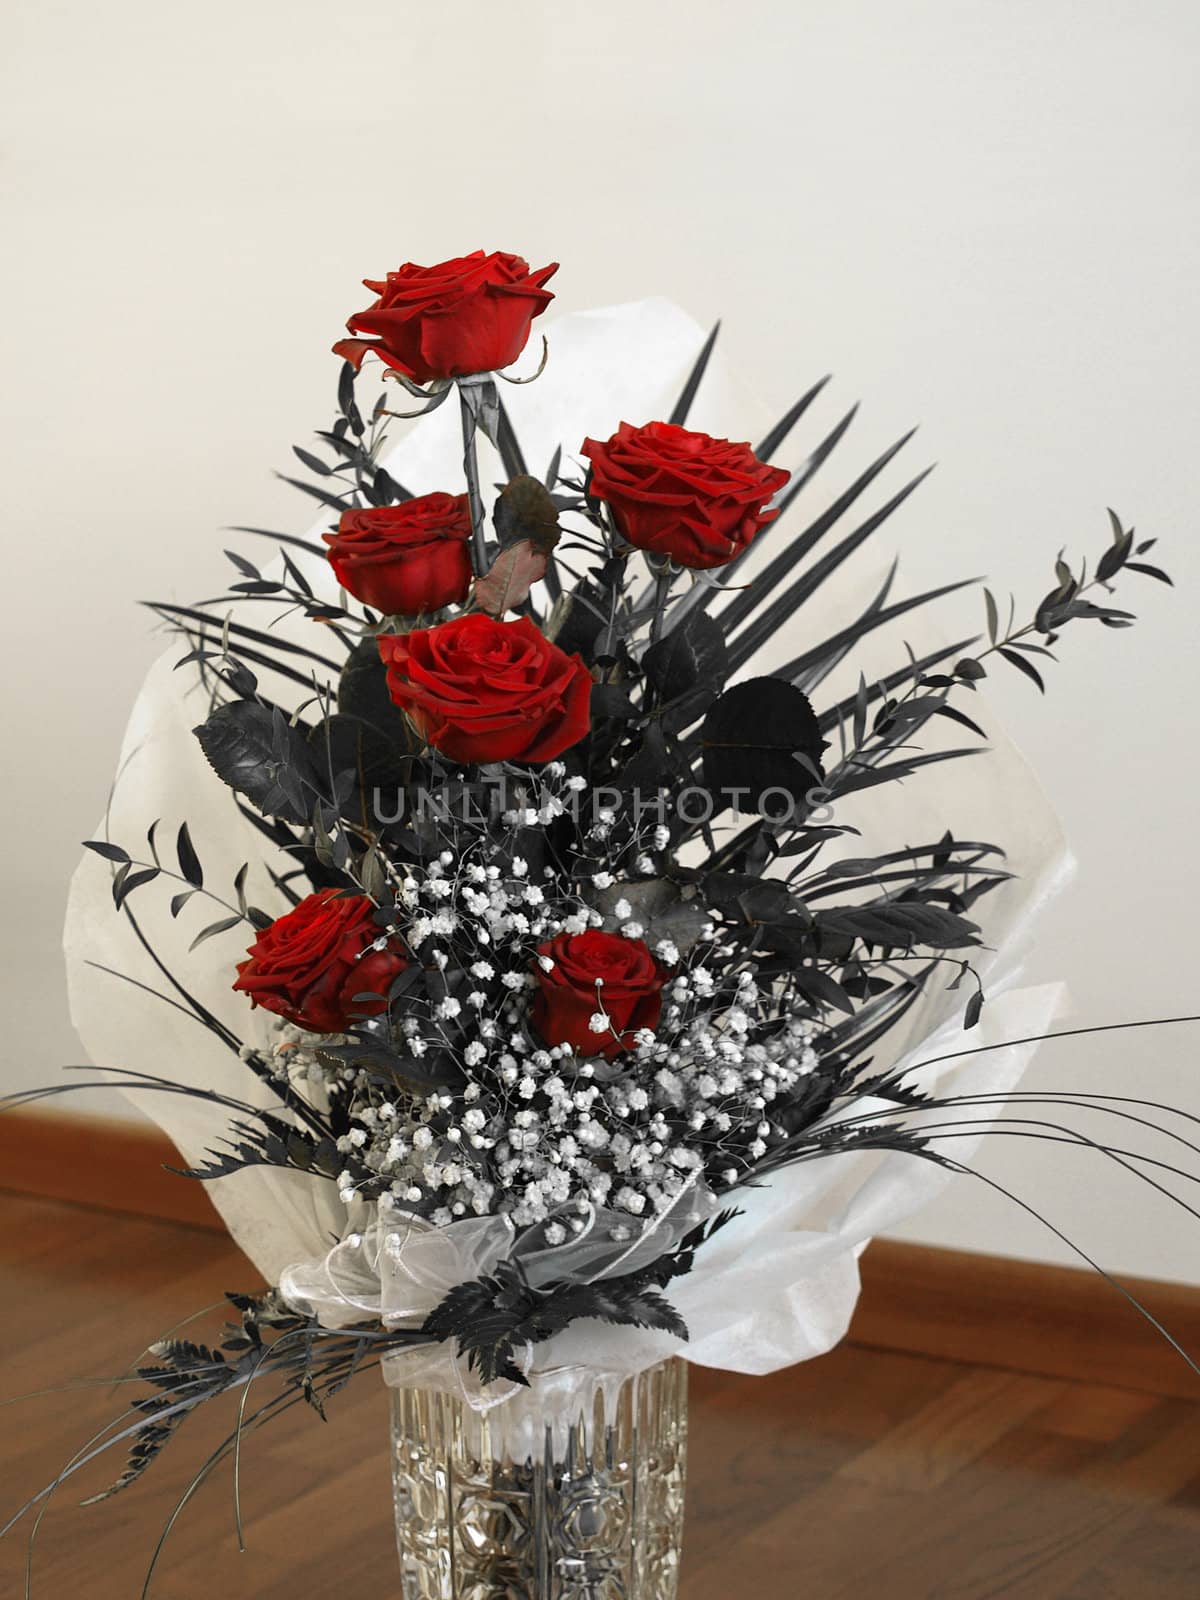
(692, 657)
(189, 861)
(128, 882)
(1148, 571)
(1014, 658)
(961, 718)
(611, 700)
(344, 744)
(346, 402)
(239, 743)
(363, 694)
(970, 670)
(762, 736)
(770, 442)
(683, 405)
(110, 852)
(525, 510)
(335, 502)
(741, 894)
(819, 986)
(246, 568)
(313, 463)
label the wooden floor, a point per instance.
(869, 1473)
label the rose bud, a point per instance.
(481, 690)
(311, 962)
(408, 558)
(681, 494)
(468, 315)
(596, 973)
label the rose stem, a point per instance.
(474, 498)
(662, 589)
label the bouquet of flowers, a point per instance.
(593, 916)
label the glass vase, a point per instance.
(571, 1489)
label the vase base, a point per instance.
(592, 1511)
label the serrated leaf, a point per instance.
(512, 575)
(525, 510)
(691, 658)
(759, 736)
(239, 741)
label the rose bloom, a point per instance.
(311, 962)
(629, 993)
(408, 558)
(681, 494)
(481, 690)
(468, 315)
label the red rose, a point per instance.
(481, 690)
(596, 972)
(681, 494)
(408, 558)
(468, 315)
(311, 962)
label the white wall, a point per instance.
(980, 216)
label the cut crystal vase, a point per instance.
(571, 1489)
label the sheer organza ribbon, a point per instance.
(398, 1269)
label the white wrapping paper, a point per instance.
(780, 1283)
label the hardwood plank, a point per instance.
(951, 1432)
(1091, 1411)
(866, 1472)
(101, 1162)
(1026, 1317)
